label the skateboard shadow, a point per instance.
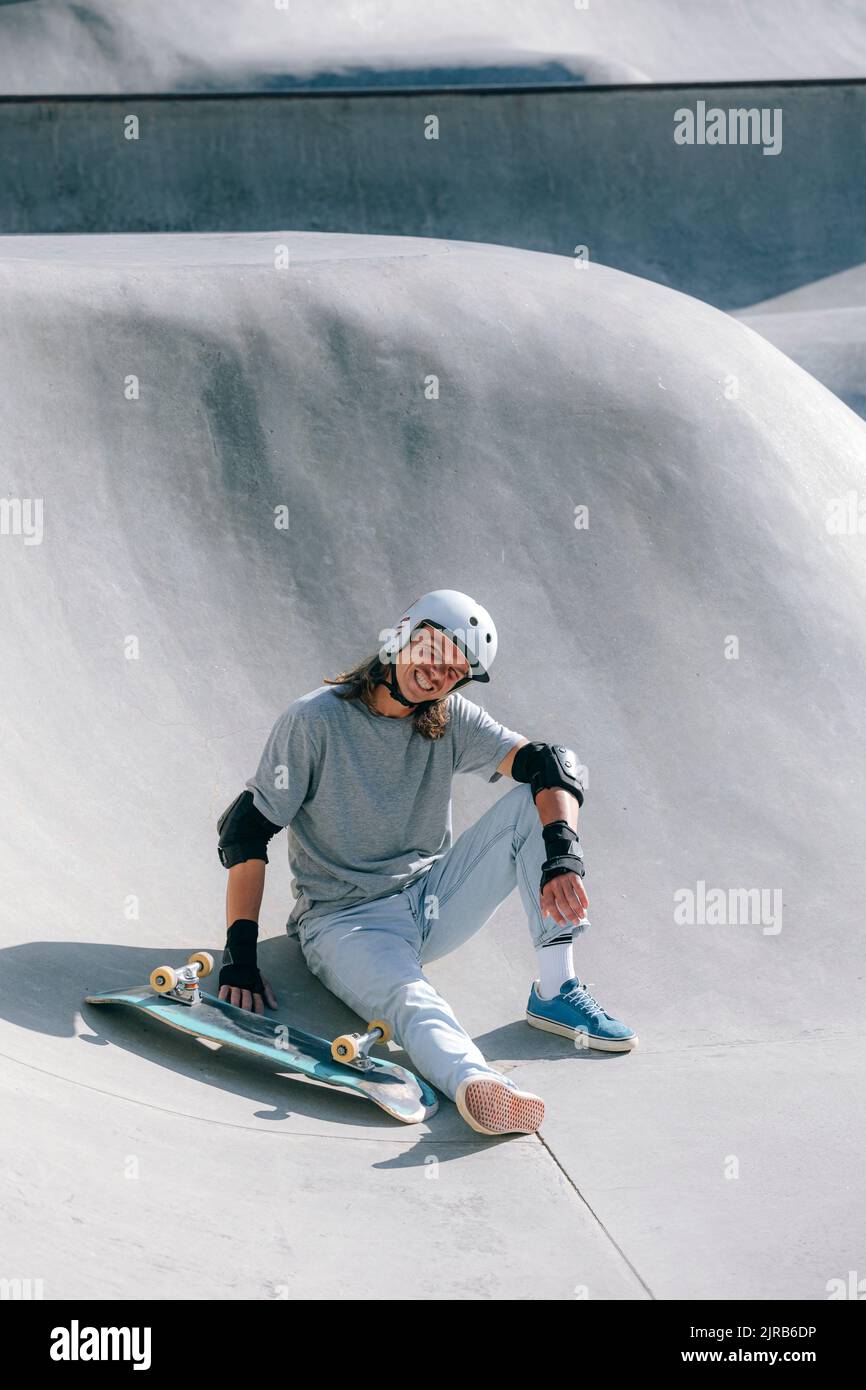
(44, 984)
(42, 989)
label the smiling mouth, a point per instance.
(419, 681)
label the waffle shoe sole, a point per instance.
(492, 1107)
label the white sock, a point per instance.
(555, 965)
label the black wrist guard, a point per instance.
(563, 852)
(239, 966)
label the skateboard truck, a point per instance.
(182, 984)
(355, 1047)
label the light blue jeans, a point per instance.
(371, 955)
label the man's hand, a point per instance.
(562, 894)
(564, 899)
(241, 983)
(250, 998)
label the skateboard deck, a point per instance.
(394, 1088)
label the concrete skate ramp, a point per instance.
(701, 643)
(548, 170)
(822, 327)
(223, 45)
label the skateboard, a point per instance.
(173, 996)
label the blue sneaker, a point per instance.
(575, 1013)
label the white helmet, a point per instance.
(469, 626)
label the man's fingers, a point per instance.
(269, 996)
(564, 899)
(247, 999)
(577, 899)
(549, 905)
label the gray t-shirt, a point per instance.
(366, 799)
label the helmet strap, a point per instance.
(394, 690)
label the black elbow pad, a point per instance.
(244, 832)
(546, 765)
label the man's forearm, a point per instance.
(556, 804)
(246, 886)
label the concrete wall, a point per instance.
(545, 169)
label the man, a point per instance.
(361, 777)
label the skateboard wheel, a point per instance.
(163, 979)
(345, 1048)
(386, 1031)
(204, 960)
